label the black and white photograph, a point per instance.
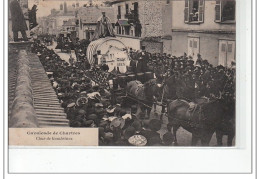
(142, 73)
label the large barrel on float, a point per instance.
(113, 53)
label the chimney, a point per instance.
(65, 7)
(61, 7)
(90, 3)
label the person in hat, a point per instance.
(133, 112)
(110, 111)
(137, 125)
(18, 20)
(140, 65)
(151, 132)
(168, 139)
(133, 65)
(129, 132)
(154, 141)
(70, 110)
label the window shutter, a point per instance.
(201, 11)
(186, 11)
(218, 11)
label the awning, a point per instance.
(122, 23)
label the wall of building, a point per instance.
(209, 44)
(179, 43)
(150, 15)
(167, 46)
(130, 42)
(60, 19)
(82, 32)
(167, 19)
(152, 47)
(209, 18)
(167, 27)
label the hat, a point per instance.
(92, 117)
(133, 107)
(155, 141)
(61, 94)
(49, 72)
(155, 125)
(99, 105)
(117, 122)
(71, 105)
(137, 140)
(101, 132)
(127, 116)
(82, 112)
(168, 138)
(88, 123)
(110, 109)
(137, 125)
(129, 132)
(109, 135)
(81, 101)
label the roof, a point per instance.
(122, 23)
(118, 1)
(90, 15)
(70, 22)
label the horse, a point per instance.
(227, 124)
(144, 94)
(202, 121)
(179, 115)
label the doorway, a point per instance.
(226, 52)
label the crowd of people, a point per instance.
(88, 98)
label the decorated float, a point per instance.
(105, 48)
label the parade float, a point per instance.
(105, 48)
(109, 51)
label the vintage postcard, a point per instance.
(122, 73)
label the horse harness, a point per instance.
(192, 121)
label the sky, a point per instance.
(44, 6)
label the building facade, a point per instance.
(88, 17)
(58, 19)
(205, 27)
(140, 23)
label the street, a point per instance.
(183, 136)
(64, 56)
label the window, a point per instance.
(119, 12)
(225, 11)
(223, 48)
(193, 47)
(227, 52)
(136, 7)
(126, 8)
(127, 30)
(194, 11)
